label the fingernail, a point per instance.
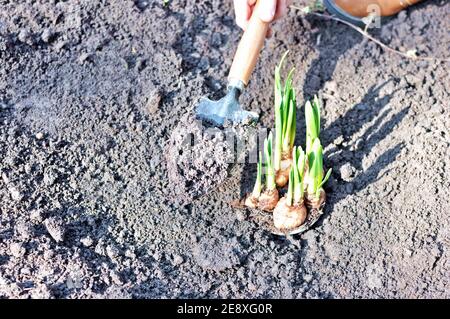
(267, 10)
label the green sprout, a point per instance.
(296, 189)
(258, 183)
(312, 119)
(316, 180)
(270, 173)
(285, 114)
(290, 192)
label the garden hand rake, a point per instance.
(228, 109)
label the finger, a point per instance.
(267, 10)
(242, 13)
(251, 2)
(242, 24)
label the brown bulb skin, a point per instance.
(281, 178)
(268, 200)
(287, 217)
(316, 203)
(251, 201)
(282, 175)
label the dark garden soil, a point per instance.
(90, 93)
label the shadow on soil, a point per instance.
(323, 66)
(368, 110)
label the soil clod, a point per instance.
(55, 228)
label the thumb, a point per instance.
(267, 10)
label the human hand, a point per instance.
(269, 10)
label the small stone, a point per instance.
(24, 229)
(307, 277)
(115, 292)
(359, 144)
(36, 215)
(17, 250)
(48, 254)
(140, 64)
(178, 260)
(112, 251)
(130, 254)
(50, 177)
(15, 194)
(153, 102)
(413, 80)
(132, 118)
(339, 140)
(3, 281)
(402, 16)
(60, 45)
(347, 172)
(115, 277)
(5, 178)
(47, 35)
(100, 249)
(25, 271)
(330, 87)
(87, 241)
(157, 255)
(84, 57)
(23, 35)
(39, 136)
(241, 215)
(55, 228)
(141, 4)
(28, 168)
(408, 252)
(73, 183)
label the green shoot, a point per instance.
(312, 119)
(270, 173)
(295, 188)
(285, 114)
(301, 162)
(278, 114)
(289, 132)
(258, 183)
(290, 192)
(315, 173)
(299, 169)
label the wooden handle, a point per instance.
(249, 47)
